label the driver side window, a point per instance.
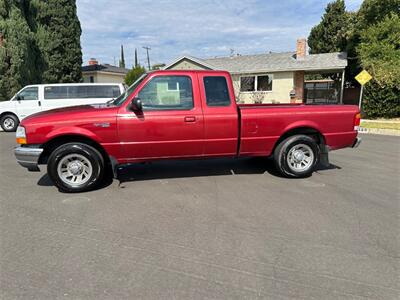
(30, 93)
(167, 93)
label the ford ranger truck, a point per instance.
(179, 115)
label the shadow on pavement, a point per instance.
(191, 168)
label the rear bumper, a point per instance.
(356, 143)
(28, 157)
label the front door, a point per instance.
(171, 124)
(27, 102)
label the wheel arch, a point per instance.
(57, 141)
(305, 130)
(9, 113)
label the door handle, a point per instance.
(40, 103)
(190, 119)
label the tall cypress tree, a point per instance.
(136, 59)
(18, 51)
(57, 30)
(122, 60)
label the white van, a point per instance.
(35, 98)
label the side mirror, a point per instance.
(19, 98)
(136, 104)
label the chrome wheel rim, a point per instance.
(74, 169)
(9, 123)
(300, 158)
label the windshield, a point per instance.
(121, 99)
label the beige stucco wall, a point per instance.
(104, 77)
(282, 84)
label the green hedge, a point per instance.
(381, 102)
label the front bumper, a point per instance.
(28, 157)
(357, 142)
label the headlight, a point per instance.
(21, 135)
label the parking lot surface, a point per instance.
(218, 229)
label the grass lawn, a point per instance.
(381, 125)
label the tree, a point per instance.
(330, 34)
(122, 60)
(136, 59)
(57, 31)
(134, 74)
(17, 54)
(379, 52)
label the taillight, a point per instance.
(357, 120)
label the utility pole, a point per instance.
(148, 57)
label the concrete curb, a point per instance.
(392, 132)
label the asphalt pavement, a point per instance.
(218, 229)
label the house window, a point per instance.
(173, 86)
(260, 83)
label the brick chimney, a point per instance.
(1, 39)
(93, 62)
(301, 48)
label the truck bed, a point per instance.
(262, 125)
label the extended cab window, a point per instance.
(217, 93)
(167, 93)
(30, 93)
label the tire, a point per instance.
(76, 167)
(9, 123)
(297, 156)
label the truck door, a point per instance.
(27, 102)
(221, 124)
(171, 124)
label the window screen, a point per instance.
(247, 84)
(217, 93)
(167, 93)
(264, 83)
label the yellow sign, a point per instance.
(363, 77)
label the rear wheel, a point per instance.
(9, 123)
(297, 156)
(75, 167)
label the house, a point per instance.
(99, 73)
(273, 77)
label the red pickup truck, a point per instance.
(179, 115)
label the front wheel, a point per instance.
(9, 123)
(297, 156)
(75, 167)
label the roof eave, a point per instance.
(288, 70)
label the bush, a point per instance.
(381, 101)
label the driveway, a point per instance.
(220, 229)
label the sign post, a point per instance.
(363, 77)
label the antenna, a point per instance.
(148, 57)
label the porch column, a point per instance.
(342, 87)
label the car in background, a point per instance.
(37, 98)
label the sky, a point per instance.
(200, 28)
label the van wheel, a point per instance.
(75, 167)
(9, 123)
(297, 156)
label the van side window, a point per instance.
(167, 93)
(56, 92)
(30, 93)
(81, 91)
(217, 93)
